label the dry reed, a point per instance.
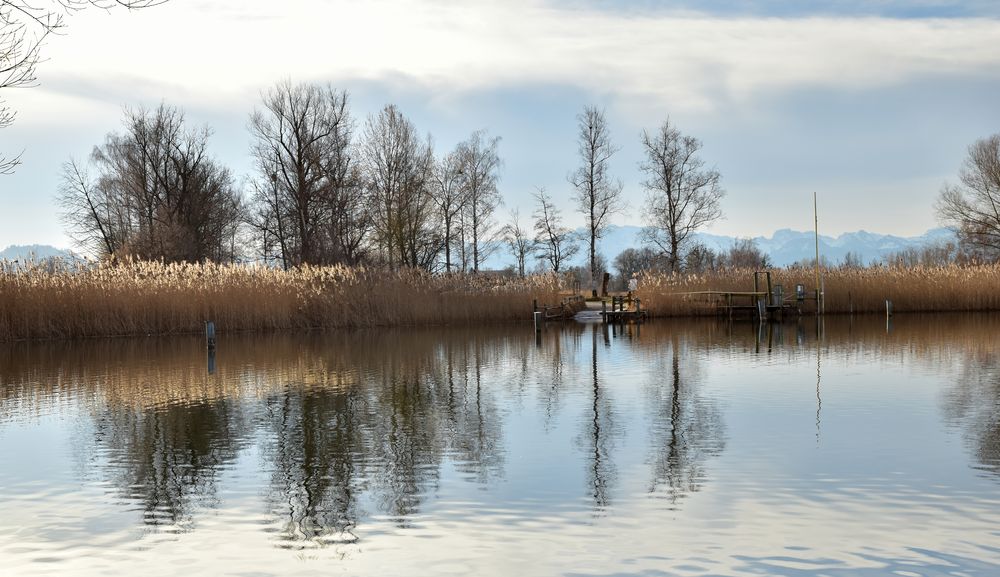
(143, 298)
(950, 288)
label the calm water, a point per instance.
(681, 448)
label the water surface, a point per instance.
(675, 448)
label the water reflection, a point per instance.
(687, 427)
(167, 458)
(974, 404)
(599, 438)
(585, 433)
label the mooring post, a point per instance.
(539, 319)
(604, 310)
(210, 335)
(888, 308)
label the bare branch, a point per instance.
(683, 195)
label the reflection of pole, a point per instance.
(819, 399)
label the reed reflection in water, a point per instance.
(673, 448)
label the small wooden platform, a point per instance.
(769, 304)
(754, 303)
(621, 311)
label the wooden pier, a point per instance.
(566, 308)
(767, 302)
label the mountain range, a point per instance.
(784, 247)
(34, 252)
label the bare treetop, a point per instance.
(23, 27)
(973, 207)
(684, 195)
(598, 195)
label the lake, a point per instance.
(687, 447)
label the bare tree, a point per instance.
(398, 169)
(518, 240)
(555, 243)
(23, 27)
(633, 261)
(699, 258)
(480, 166)
(157, 194)
(598, 195)
(745, 254)
(683, 195)
(307, 197)
(451, 198)
(972, 208)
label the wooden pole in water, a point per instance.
(210, 335)
(819, 294)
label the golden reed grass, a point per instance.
(949, 288)
(144, 298)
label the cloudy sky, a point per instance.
(869, 103)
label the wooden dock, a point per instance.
(566, 309)
(767, 302)
(622, 310)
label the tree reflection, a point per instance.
(316, 462)
(600, 435)
(973, 404)
(687, 428)
(169, 458)
(379, 438)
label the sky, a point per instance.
(871, 105)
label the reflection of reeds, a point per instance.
(911, 289)
(140, 298)
(143, 374)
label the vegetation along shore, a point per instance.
(150, 298)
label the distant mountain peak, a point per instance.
(35, 252)
(785, 246)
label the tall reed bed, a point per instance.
(140, 298)
(911, 289)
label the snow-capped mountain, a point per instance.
(35, 252)
(785, 246)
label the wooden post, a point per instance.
(819, 283)
(769, 288)
(210, 335)
(888, 308)
(604, 310)
(539, 320)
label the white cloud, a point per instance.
(217, 49)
